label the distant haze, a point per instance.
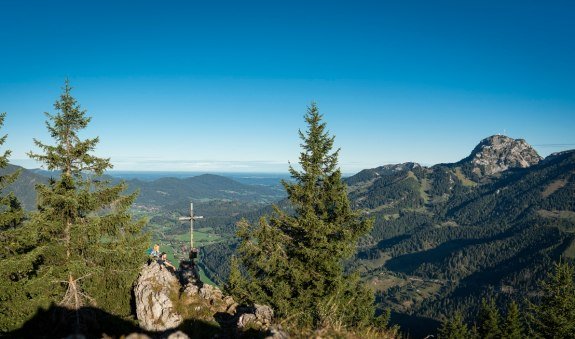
(223, 86)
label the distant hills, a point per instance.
(170, 191)
(161, 192)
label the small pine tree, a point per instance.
(488, 319)
(454, 328)
(554, 316)
(294, 262)
(512, 327)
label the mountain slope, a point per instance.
(446, 235)
(24, 186)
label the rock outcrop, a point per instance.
(499, 153)
(163, 304)
(154, 291)
(258, 316)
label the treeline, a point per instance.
(551, 315)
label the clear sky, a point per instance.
(223, 85)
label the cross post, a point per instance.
(191, 218)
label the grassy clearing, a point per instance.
(202, 237)
(369, 265)
(570, 251)
(464, 180)
(423, 188)
(204, 278)
(565, 215)
(405, 293)
(553, 187)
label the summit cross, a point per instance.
(191, 218)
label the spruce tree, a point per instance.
(85, 249)
(454, 328)
(554, 316)
(489, 319)
(512, 327)
(294, 259)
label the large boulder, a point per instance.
(153, 291)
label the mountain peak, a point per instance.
(498, 153)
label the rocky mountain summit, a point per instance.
(498, 153)
(166, 302)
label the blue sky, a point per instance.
(223, 86)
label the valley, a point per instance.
(443, 236)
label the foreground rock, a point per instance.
(154, 307)
(163, 304)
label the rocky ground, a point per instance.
(169, 303)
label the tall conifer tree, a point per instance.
(84, 249)
(512, 326)
(454, 328)
(294, 261)
(489, 319)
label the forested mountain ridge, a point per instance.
(446, 235)
(172, 191)
(164, 192)
(24, 186)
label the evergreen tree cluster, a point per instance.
(552, 317)
(81, 247)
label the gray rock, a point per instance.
(137, 336)
(246, 319)
(277, 333)
(229, 301)
(259, 316)
(154, 309)
(191, 289)
(264, 314)
(499, 153)
(178, 335)
(206, 291)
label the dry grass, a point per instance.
(554, 186)
(338, 331)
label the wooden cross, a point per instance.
(191, 218)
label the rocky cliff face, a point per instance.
(499, 153)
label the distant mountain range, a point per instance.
(444, 236)
(161, 192)
(447, 235)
